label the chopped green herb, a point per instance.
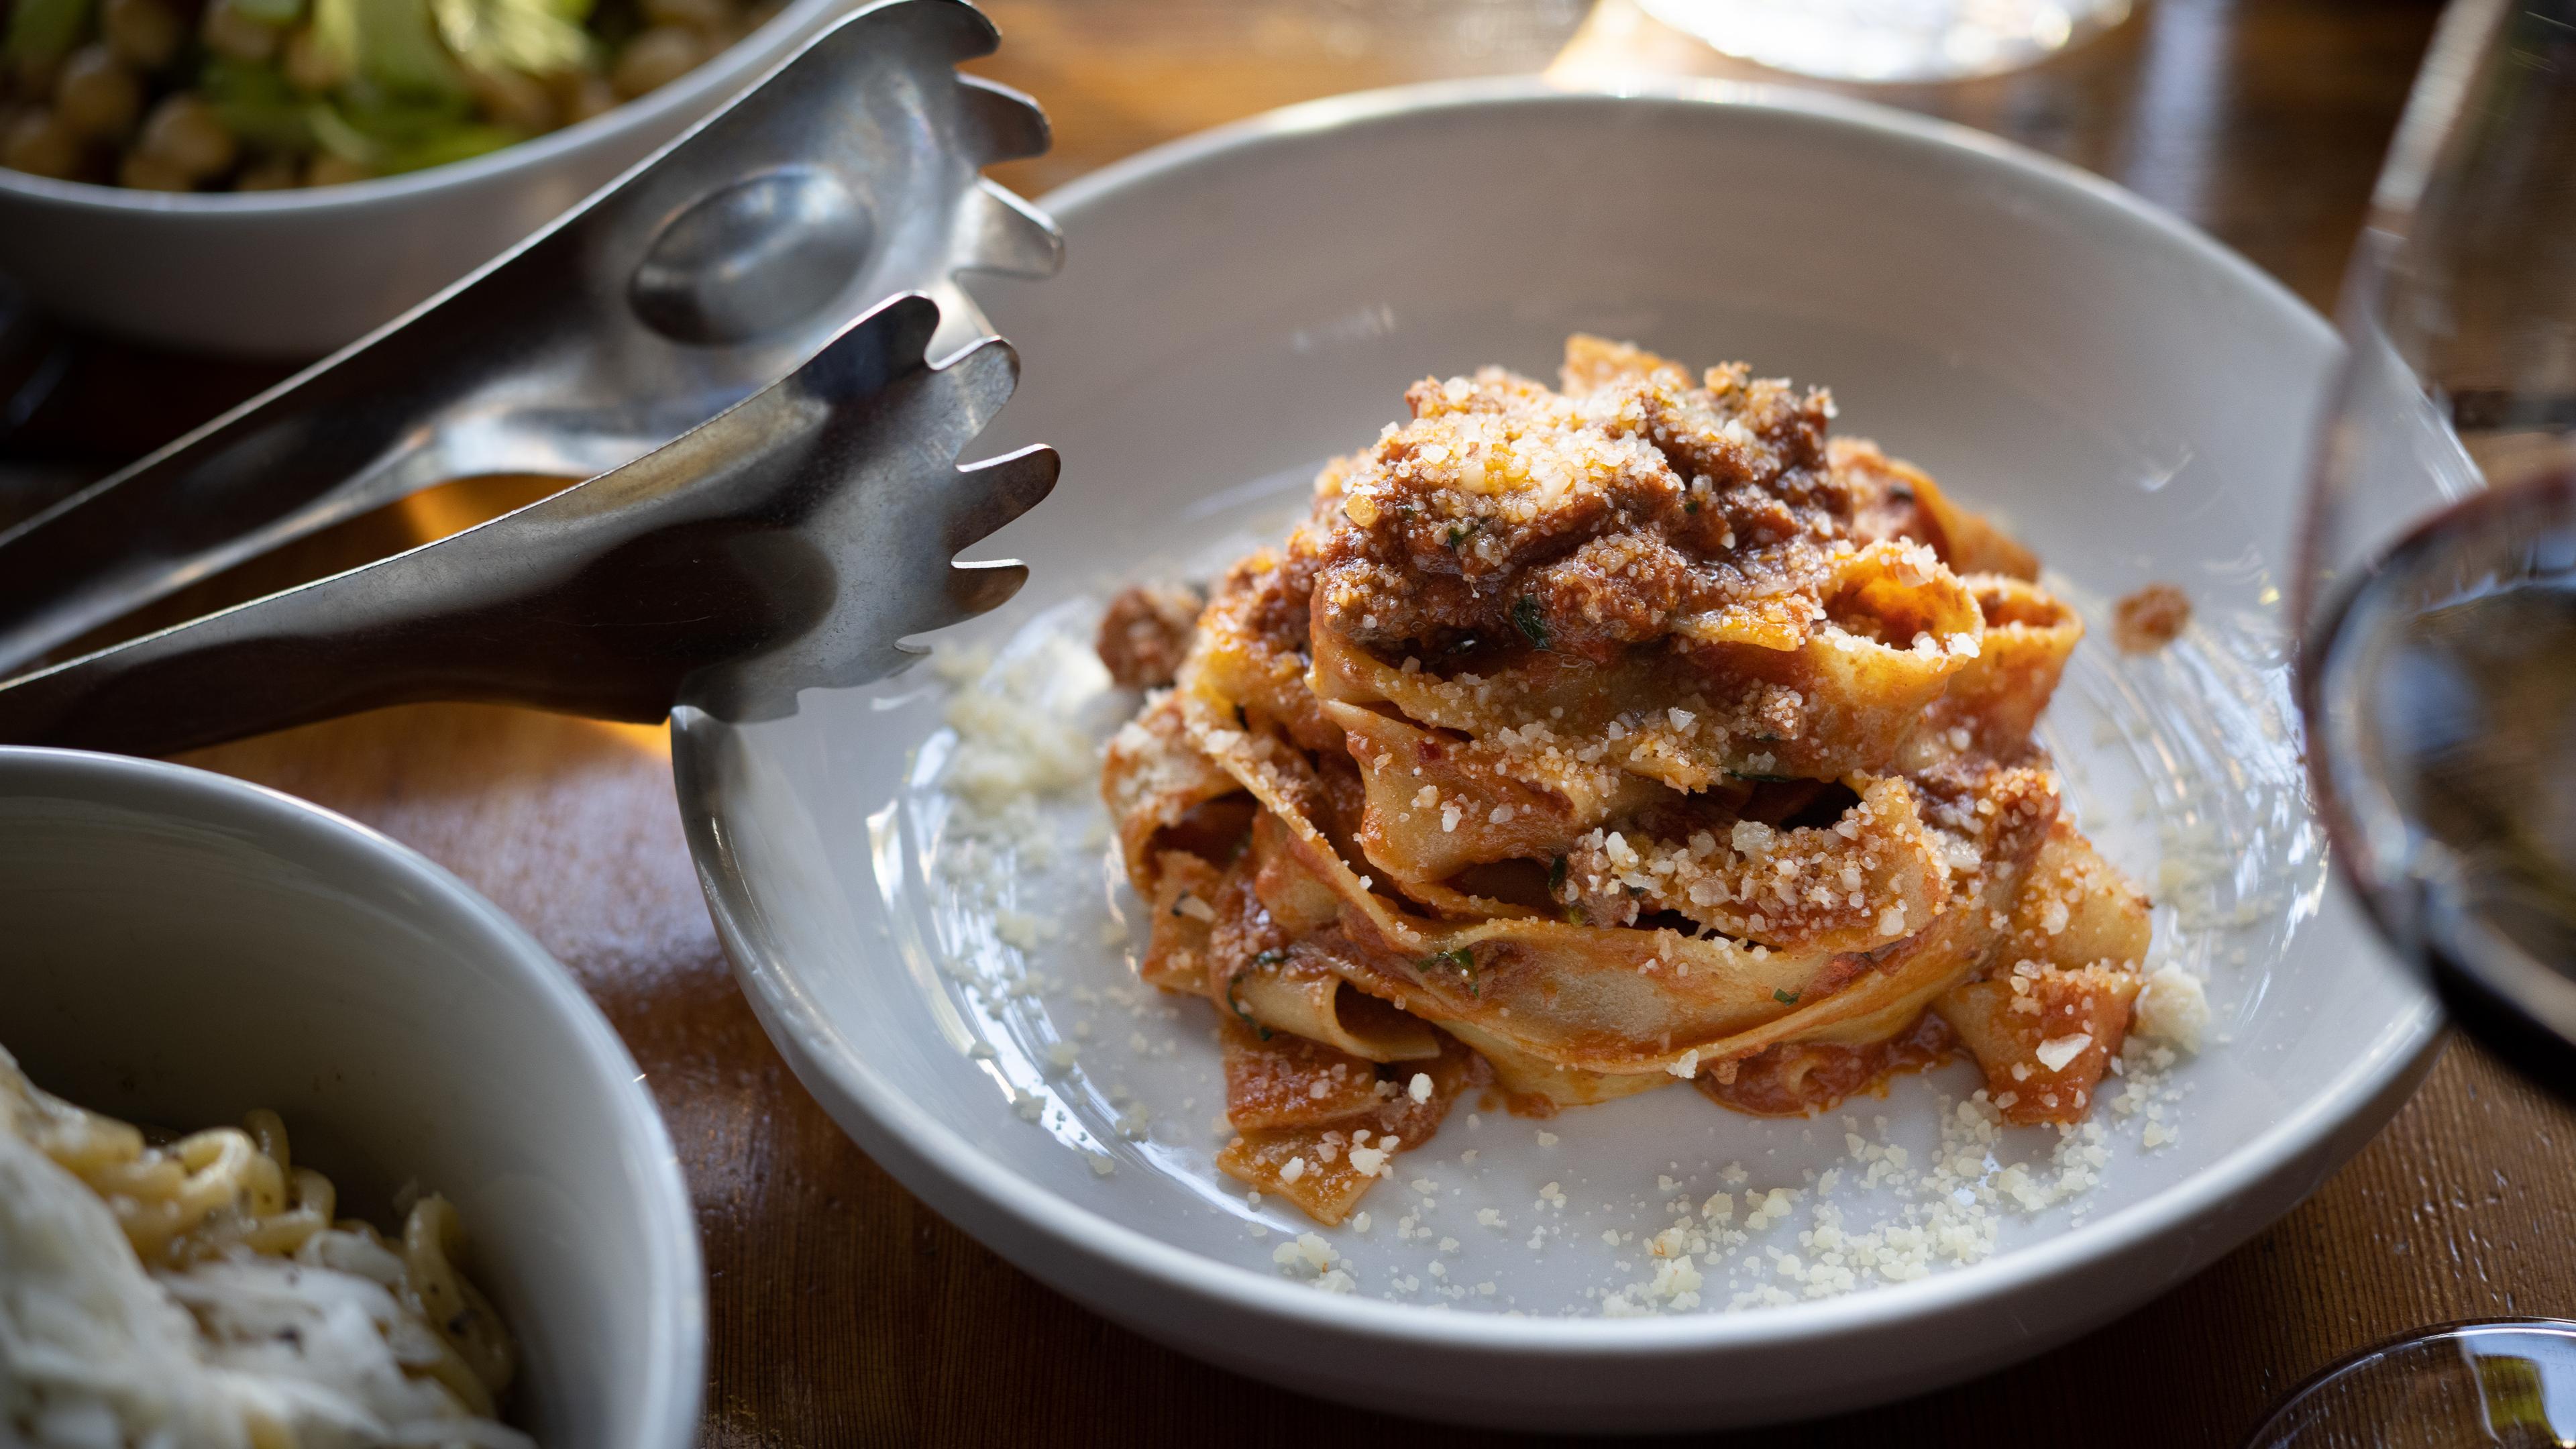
(1269, 958)
(1525, 613)
(1576, 915)
(1464, 958)
(1786, 998)
(1242, 721)
(1458, 531)
(1764, 779)
(1232, 982)
(1691, 507)
(1556, 875)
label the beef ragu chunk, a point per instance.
(1586, 520)
(1146, 633)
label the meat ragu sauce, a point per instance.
(1595, 739)
(1795, 1079)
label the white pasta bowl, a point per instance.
(183, 948)
(2130, 398)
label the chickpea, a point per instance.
(39, 144)
(312, 66)
(230, 31)
(34, 74)
(579, 95)
(184, 134)
(97, 95)
(656, 58)
(518, 101)
(269, 173)
(326, 169)
(698, 14)
(142, 172)
(144, 34)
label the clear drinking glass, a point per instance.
(2503, 1381)
(1891, 40)
(2437, 599)
(2439, 576)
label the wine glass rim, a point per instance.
(2426, 1333)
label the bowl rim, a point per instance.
(672, 1379)
(795, 1020)
(700, 90)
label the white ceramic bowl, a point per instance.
(183, 947)
(1235, 308)
(297, 274)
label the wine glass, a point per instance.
(1891, 40)
(2501, 1381)
(2438, 573)
(2437, 603)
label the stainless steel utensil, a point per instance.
(794, 541)
(791, 540)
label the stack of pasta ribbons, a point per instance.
(1596, 739)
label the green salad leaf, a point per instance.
(388, 134)
(273, 12)
(537, 37)
(258, 105)
(389, 45)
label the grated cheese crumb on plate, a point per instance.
(2173, 1008)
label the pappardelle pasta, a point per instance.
(205, 1291)
(1591, 740)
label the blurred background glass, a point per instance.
(1891, 40)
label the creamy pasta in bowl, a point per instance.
(1302, 796)
(305, 1146)
(205, 1289)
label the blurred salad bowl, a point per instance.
(277, 177)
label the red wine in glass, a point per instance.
(2444, 716)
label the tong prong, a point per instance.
(980, 588)
(1010, 127)
(998, 232)
(1001, 489)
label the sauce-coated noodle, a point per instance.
(1601, 739)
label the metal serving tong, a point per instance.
(777, 501)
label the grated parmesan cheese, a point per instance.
(2057, 1051)
(2172, 1008)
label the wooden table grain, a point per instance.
(843, 1312)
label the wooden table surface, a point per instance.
(843, 1312)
